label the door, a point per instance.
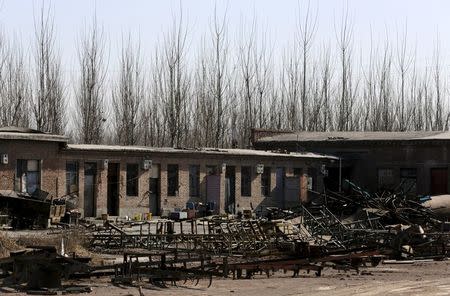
(213, 191)
(154, 197)
(230, 190)
(291, 191)
(90, 172)
(279, 186)
(113, 189)
(439, 181)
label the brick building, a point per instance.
(128, 180)
(416, 161)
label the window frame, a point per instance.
(23, 170)
(408, 177)
(383, 185)
(69, 176)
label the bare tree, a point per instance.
(90, 91)
(290, 87)
(404, 61)
(175, 83)
(247, 85)
(263, 78)
(220, 45)
(49, 91)
(438, 85)
(128, 94)
(307, 30)
(326, 91)
(345, 104)
(15, 89)
(385, 106)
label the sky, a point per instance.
(148, 20)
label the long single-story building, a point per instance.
(416, 161)
(129, 180)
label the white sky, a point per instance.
(149, 19)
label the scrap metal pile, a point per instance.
(389, 221)
(234, 246)
(336, 230)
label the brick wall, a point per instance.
(53, 175)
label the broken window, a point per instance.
(132, 179)
(408, 180)
(71, 177)
(28, 177)
(212, 170)
(298, 172)
(385, 179)
(194, 180)
(246, 181)
(172, 179)
(265, 182)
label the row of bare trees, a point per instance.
(215, 96)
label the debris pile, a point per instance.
(336, 230)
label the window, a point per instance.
(212, 170)
(132, 179)
(28, 178)
(71, 177)
(385, 179)
(408, 180)
(246, 181)
(265, 182)
(172, 179)
(311, 179)
(298, 172)
(194, 180)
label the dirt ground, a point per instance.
(420, 278)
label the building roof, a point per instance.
(205, 151)
(356, 136)
(28, 134)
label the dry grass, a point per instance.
(7, 244)
(74, 240)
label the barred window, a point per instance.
(71, 177)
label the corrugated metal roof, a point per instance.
(207, 151)
(357, 136)
(28, 134)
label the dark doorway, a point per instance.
(90, 173)
(279, 186)
(113, 189)
(154, 190)
(439, 181)
(331, 182)
(230, 190)
(291, 191)
(213, 192)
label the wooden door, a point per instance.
(439, 181)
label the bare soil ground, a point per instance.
(420, 278)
